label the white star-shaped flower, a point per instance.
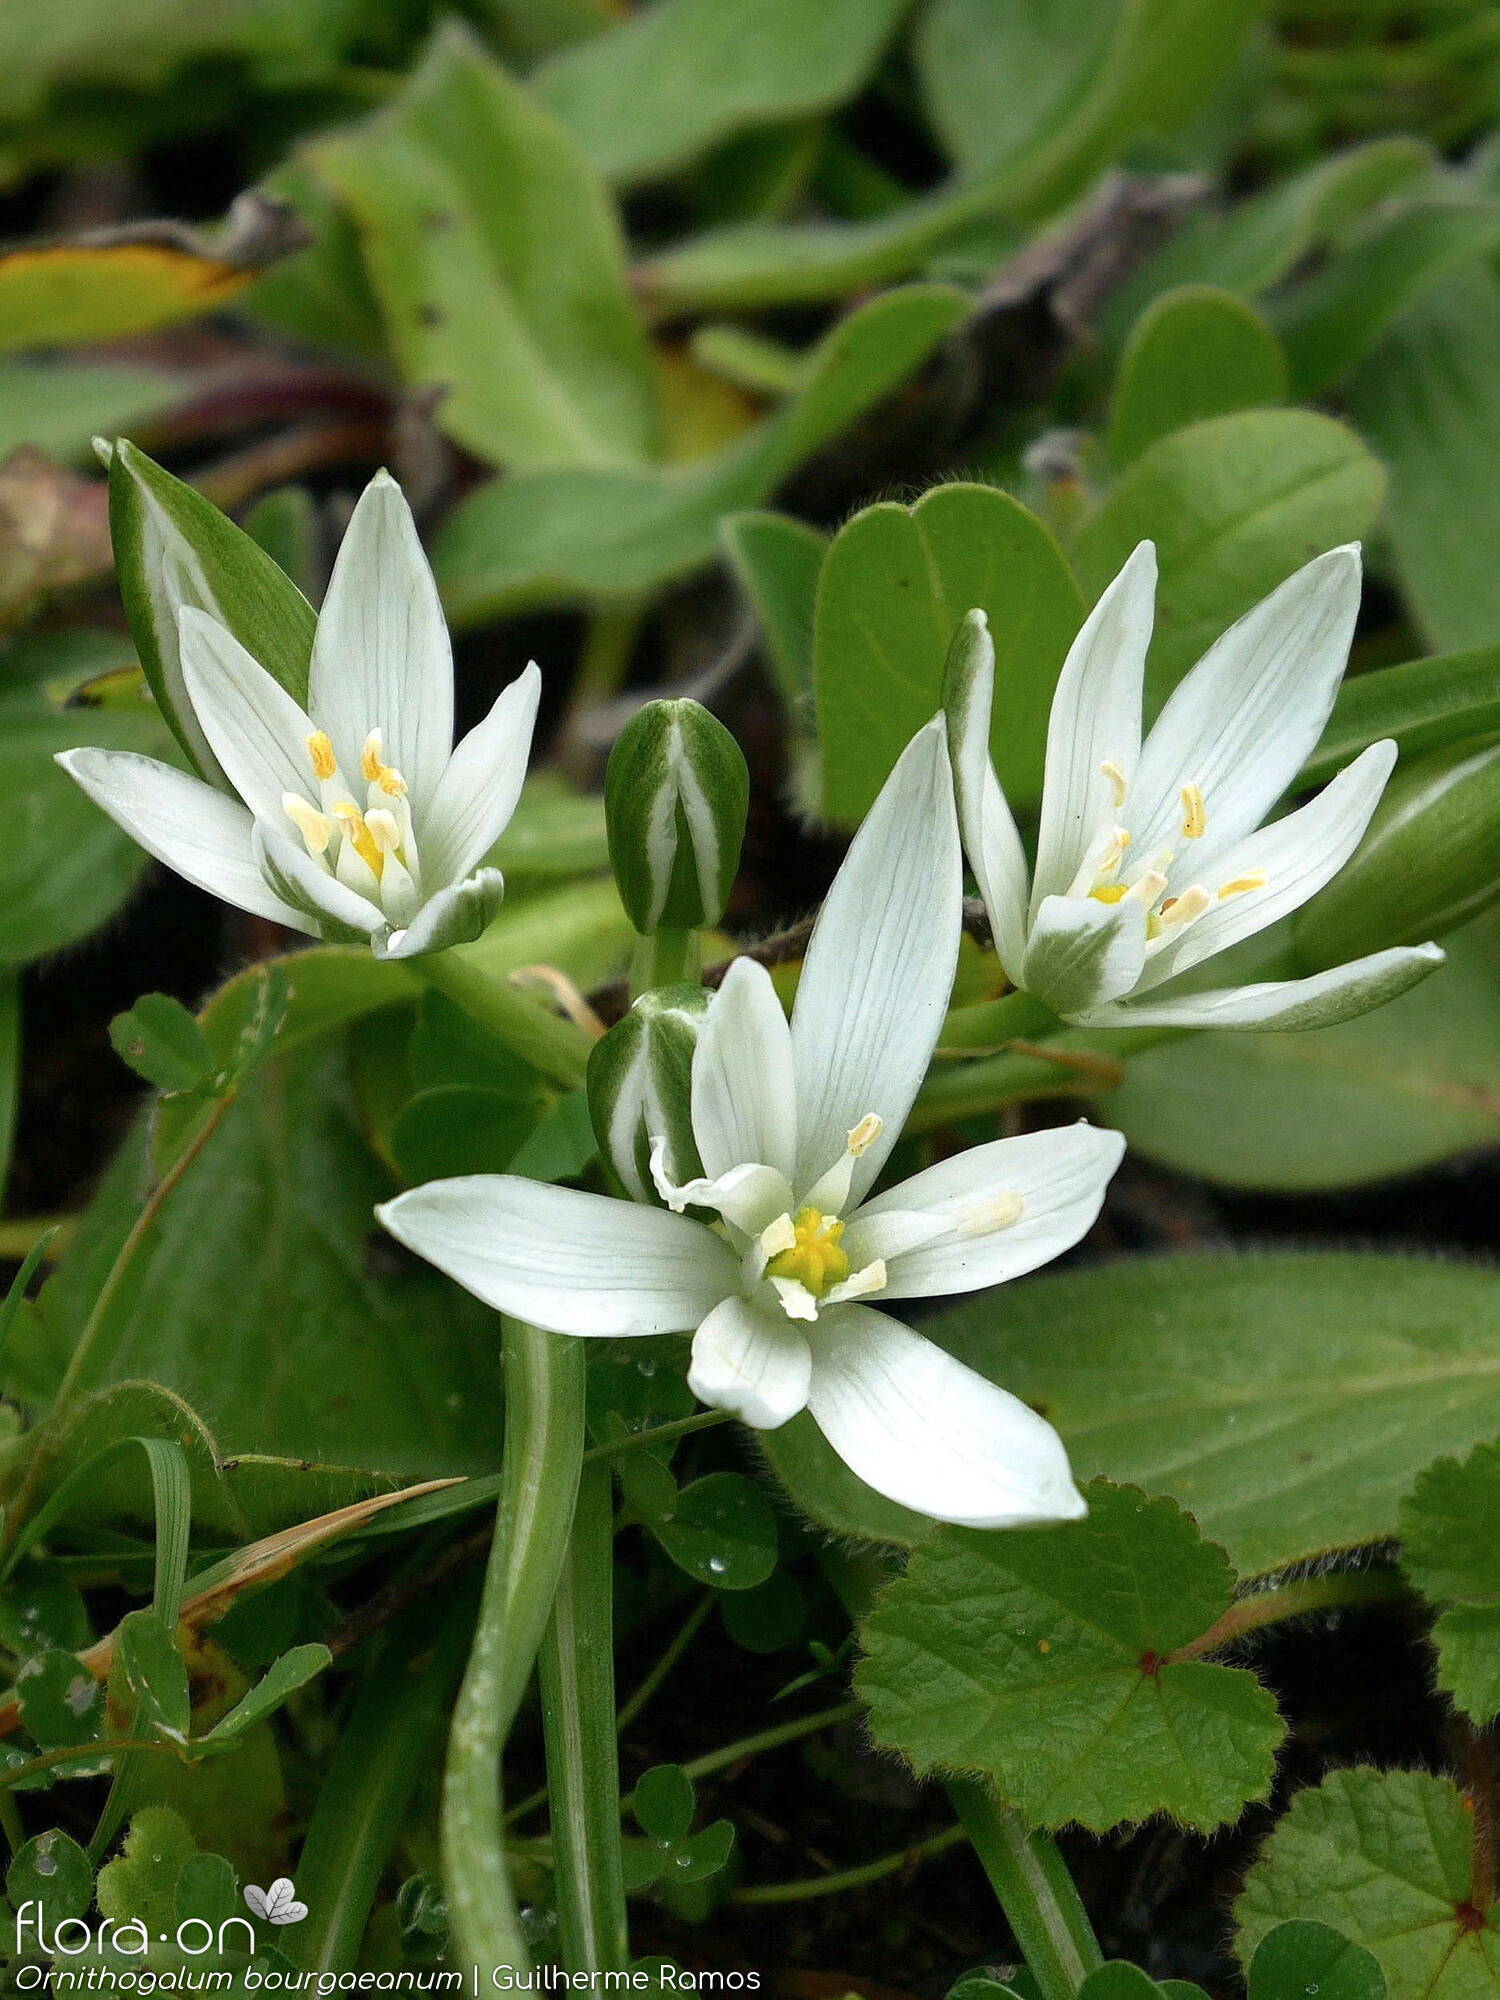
(792, 1123)
(354, 818)
(1151, 856)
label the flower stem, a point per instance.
(665, 958)
(544, 1429)
(852, 1878)
(767, 1739)
(703, 1420)
(578, 1718)
(955, 1090)
(1342, 1589)
(1032, 1884)
(555, 1047)
(993, 1023)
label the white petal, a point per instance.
(931, 1434)
(1297, 855)
(1320, 1001)
(337, 909)
(1060, 1177)
(457, 914)
(747, 1362)
(986, 825)
(749, 1196)
(1241, 724)
(1083, 953)
(564, 1260)
(879, 969)
(202, 833)
(381, 658)
(477, 793)
(1095, 720)
(744, 1093)
(257, 732)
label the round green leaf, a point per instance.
(723, 1532)
(1450, 1533)
(53, 1870)
(1195, 352)
(663, 1802)
(1303, 1957)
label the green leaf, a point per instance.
(61, 1702)
(1288, 1400)
(555, 830)
(65, 868)
(141, 1884)
(1196, 352)
(722, 1532)
(1450, 1534)
(1428, 399)
(557, 536)
(1041, 1658)
(163, 1042)
(174, 548)
(207, 1892)
(59, 406)
(1116, 1980)
(1388, 1856)
(1256, 244)
(1234, 504)
(664, 1802)
(458, 1129)
(777, 560)
(515, 303)
(51, 1869)
(1304, 1957)
(292, 1671)
(679, 75)
(281, 1280)
(1396, 1090)
(1040, 97)
(1333, 318)
(1429, 862)
(894, 586)
(676, 797)
(1423, 704)
(153, 1667)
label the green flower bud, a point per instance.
(639, 1086)
(175, 549)
(675, 798)
(1430, 861)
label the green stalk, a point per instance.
(1076, 1063)
(528, 1029)
(578, 1715)
(544, 1429)
(1032, 1884)
(665, 958)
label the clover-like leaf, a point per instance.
(53, 1871)
(1303, 1956)
(1046, 1659)
(1451, 1531)
(1387, 1856)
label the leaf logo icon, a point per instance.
(276, 1905)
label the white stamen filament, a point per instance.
(316, 828)
(1117, 784)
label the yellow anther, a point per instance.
(1194, 814)
(1242, 885)
(865, 1133)
(376, 771)
(320, 749)
(352, 822)
(1001, 1213)
(316, 828)
(813, 1258)
(1117, 785)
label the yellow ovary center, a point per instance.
(813, 1258)
(356, 830)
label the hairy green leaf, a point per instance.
(1450, 1534)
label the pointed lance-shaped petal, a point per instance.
(477, 793)
(640, 1088)
(1242, 723)
(565, 1260)
(200, 832)
(458, 913)
(382, 659)
(676, 796)
(985, 821)
(744, 1086)
(258, 733)
(1320, 1001)
(929, 1433)
(1095, 721)
(1083, 953)
(340, 913)
(879, 969)
(747, 1362)
(1057, 1179)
